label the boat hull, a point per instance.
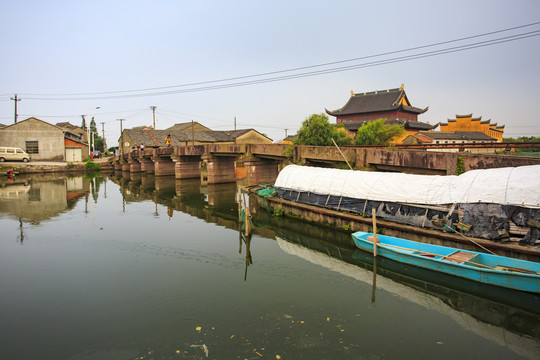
(480, 267)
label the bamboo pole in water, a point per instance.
(375, 240)
(239, 204)
(247, 214)
(374, 281)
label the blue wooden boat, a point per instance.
(485, 268)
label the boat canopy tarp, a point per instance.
(506, 186)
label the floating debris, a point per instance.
(203, 347)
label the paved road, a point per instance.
(33, 163)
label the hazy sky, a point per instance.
(107, 47)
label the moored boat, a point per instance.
(485, 268)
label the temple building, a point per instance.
(468, 123)
(458, 138)
(392, 105)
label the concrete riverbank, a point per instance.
(35, 167)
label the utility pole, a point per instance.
(154, 113)
(16, 100)
(235, 123)
(104, 142)
(121, 147)
(286, 132)
(192, 133)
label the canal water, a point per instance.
(107, 266)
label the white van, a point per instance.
(13, 154)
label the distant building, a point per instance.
(44, 141)
(131, 139)
(392, 105)
(468, 123)
(188, 126)
(288, 140)
(454, 137)
(74, 132)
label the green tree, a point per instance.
(98, 140)
(93, 128)
(316, 130)
(98, 143)
(377, 133)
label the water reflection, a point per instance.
(177, 271)
(516, 328)
(33, 201)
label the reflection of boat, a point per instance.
(506, 325)
(485, 268)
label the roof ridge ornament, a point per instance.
(402, 87)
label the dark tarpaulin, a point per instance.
(488, 221)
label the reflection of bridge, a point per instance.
(262, 160)
(333, 249)
(212, 203)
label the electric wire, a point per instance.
(305, 67)
(302, 74)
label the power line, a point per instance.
(464, 47)
(303, 67)
(139, 111)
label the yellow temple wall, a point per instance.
(468, 124)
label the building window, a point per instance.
(32, 147)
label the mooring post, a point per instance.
(375, 240)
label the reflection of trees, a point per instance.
(95, 180)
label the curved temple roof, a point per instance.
(385, 100)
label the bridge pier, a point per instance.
(186, 187)
(187, 167)
(163, 166)
(148, 183)
(220, 169)
(221, 194)
(125, 166)
(147, 165)
(261, 171)
(117, 166)
(134, 165)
